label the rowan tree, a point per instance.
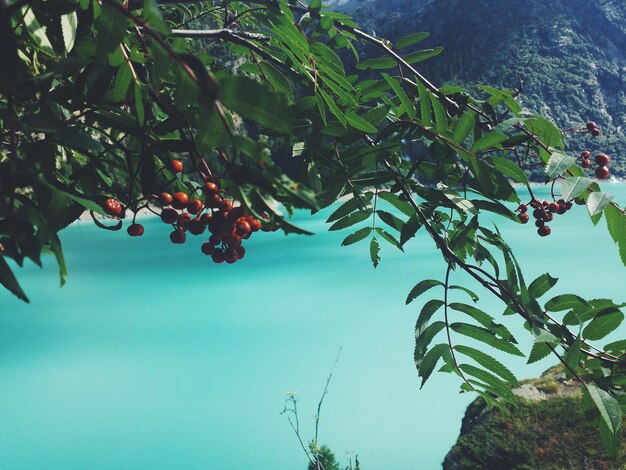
(181, 108)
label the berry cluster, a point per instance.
(543, 212)
(228, 224)
(593, 129)
(602, 161)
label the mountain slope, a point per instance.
(570, 53)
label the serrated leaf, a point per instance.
(603, 324)
(428, 310)
(427, 364)
(541, 285)
(510, 169)
(350, 206)
(572, 187)
(497, 386)
(350, 220)
(489, 363)
(486, 336)
(374, 252)
(539, 351)
(359, 123)
(357, 236)
(464, 127)
(558, 164)
(8, 280)
(564, 302)
(469, 292)
(484, 319)
(401, 94)
(69, 21)
(597, 201)
(389, 238)
(410, 229)
(411, 39)
(488, 141)
(396, 202)
(608, 407)
(422, 287)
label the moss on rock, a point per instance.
(547, 430)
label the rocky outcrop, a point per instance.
(547, 430)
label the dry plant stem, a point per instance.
(224, 33)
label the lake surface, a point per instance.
(153, 357)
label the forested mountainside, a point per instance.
(570, 53)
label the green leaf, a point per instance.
(572, 187)
(37, 32)
(410, 229)
(359, 123)
(401, 94)
(541, 285)
(603, 324)
(419, 56)
(350, 220)
(390, 219)
(484, 319)
(616, 223)
(495, 385)
(558, 164)
(422, 287)
(57, 250)
(510, 169)
(427, 364)
(357, 236)
(374, 252)
(256, 101)
(564, 302)
(469, 292)
(69, 21)
(110, 29)
(423, 338)
(360, 203)
(464, 127)
(608, 407)
(597, 201)
(441, 118)
(489, 141)
(7, 279)
(539, 351)
(489, 363)
(428, 310)
(486, 336)
(411, 39)
(389, 238)
(139, 109)
(425, 104)
(396, 202)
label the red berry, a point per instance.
(585, 163)
(539, 223)
(523, 218)
(169, 216)
(255, 224)
(195, 206)
(213, 201)
(183, 220)
(135, 230)
(205, 218)
(181, 200)
(165, 199)
(218, 256)
(548, 217)
(225, 205)
(178, 236)
(596, 132)
(207, 248)
(176, 166)
(240, 250)
(210, 188)
(242, 228)
(602, 172)
(544, 231)
(553, 207)
(591, 125)
(562, 209)
(522, 208)
(585, 154)
(538, 213)
(112, 207)
(602, 159)
(230, 256)
(196, 227)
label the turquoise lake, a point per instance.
(153, 357)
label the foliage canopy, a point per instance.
(97, 97)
